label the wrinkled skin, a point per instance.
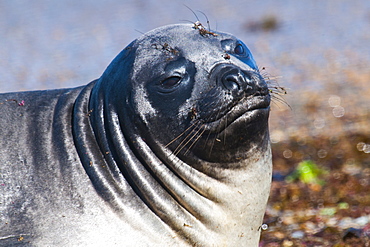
(170, 147)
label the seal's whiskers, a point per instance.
(188, 138)
(200, 133)
(176, 138)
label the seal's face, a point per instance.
(200, 94)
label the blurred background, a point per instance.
(318, 51)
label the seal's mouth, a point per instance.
(246, 111)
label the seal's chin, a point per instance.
(246, 111)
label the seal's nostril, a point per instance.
(231, 82)
(234, 80)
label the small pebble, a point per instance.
(264, 227)
(297, 234)
(287, 243)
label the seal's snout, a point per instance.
(238, 82)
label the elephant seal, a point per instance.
(169, 147)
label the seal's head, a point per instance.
(197, 93)
(200, 94)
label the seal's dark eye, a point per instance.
(171, 81)
(239, 49)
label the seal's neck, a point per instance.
(223, 210)
(204, 210)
